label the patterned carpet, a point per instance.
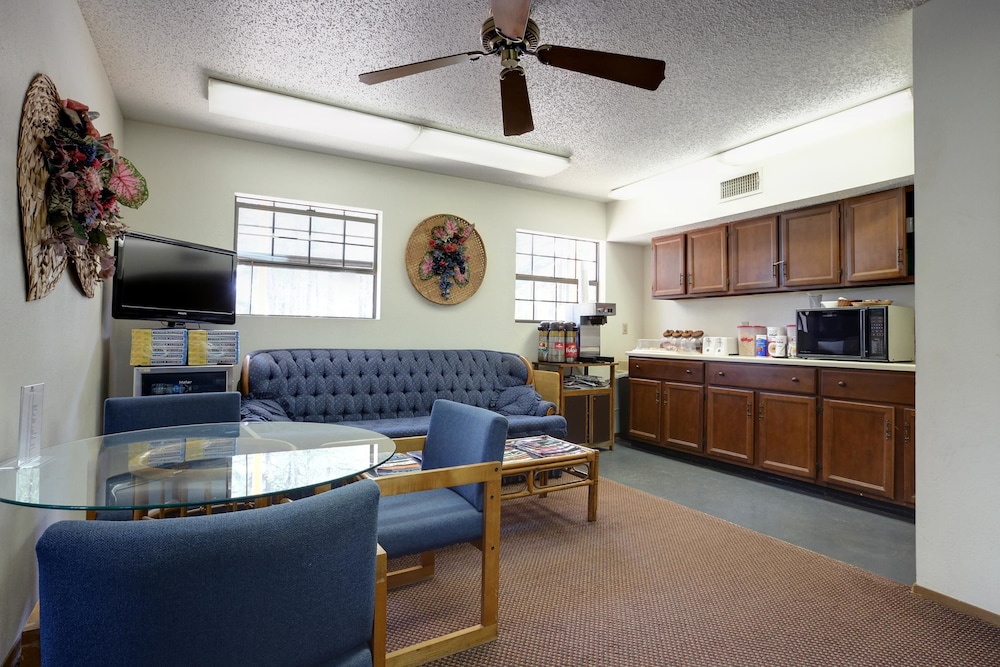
(654, 583)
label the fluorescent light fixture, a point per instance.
(230, 99)
(831, 126)
(236, 101)
(451, 146)
(825, 128)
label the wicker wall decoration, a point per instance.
(71, 181)
(44, 263)
(445, 259)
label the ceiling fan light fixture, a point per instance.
(254, 104)
(451, 146)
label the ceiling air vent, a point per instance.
(741, 186)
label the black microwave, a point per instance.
(867, 333)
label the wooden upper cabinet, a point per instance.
(753, 254)
(669, 271)
(810, 246)
(875, 237)
(708, 260)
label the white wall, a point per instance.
(956, 71)
(845, 165)
(193, 178)
(56, 340)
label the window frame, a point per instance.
(593, 282)
(312, 210)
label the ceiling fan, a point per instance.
(511, 33)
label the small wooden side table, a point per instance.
(589, 413)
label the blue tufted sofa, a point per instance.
(392, 391)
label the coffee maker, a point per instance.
(590, 317)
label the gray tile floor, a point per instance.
(867, 539)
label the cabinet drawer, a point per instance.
(791, 379)
(878, 386)
(667, 369)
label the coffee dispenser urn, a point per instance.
(590, 317)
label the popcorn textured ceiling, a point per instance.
(736, 71)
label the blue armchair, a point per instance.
(291, 584)
(131, 413)
(455, 498)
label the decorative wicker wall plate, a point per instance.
(430, 288)
(43, 262)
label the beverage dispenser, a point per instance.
(589, 318)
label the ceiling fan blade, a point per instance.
(510, 17)
(415, 68)
(514, 102)
(632, 70)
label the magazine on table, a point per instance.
(398, 463)
(540, 446)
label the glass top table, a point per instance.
(182, 466)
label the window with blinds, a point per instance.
(304, 259)
(552, 272)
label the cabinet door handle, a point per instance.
(899, 256)
(681, 279)
(760, 412)
(688, 371)
(749, 408)
(841, 383)
(656, 399)
(795, 378)
(888, 430)
(906, 432)
(722, 373)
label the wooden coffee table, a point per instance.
(579, 467)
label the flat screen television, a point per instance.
(173, 281)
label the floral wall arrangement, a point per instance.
(445, 259)
(72, 181)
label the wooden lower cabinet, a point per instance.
(644, 409)
(909, 456)
(683, 420)
(849, 429)
(666, 413)
(729, 428)
(859, 447)
(776, 432)
(589, 417)
(786, 434)
(666, 403)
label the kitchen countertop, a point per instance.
(653, 353)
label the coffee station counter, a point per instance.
(653, 353)
(847, 425)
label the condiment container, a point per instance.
(747, 335)
(760, 342)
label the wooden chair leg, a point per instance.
(379, 631)
(487, 629)
(409, 575)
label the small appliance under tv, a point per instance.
(173, 281)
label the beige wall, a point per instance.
(193, 178)
(57, 340)
(956, 71)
